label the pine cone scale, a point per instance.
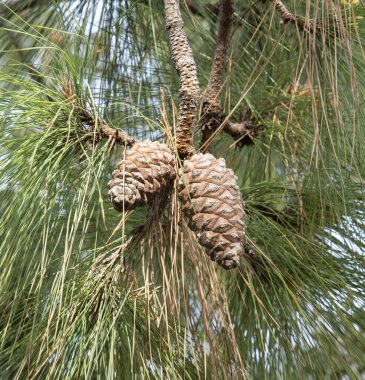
(146, 170)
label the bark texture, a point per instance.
(213, 206)
(212, 114)
(104, 131)
(146, 171)
(189, 87)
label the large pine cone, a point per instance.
(213, 206)
(146, 170)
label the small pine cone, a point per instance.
(147, 169)
(213, 206)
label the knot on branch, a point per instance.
(243, 132)
(247, 129)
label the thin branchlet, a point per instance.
(103, 130)
(97, 129)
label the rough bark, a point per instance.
(118, 136)
(219, 60)
(211, 110)
(183, 59)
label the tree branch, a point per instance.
(183, 59)
(212, 110)
(213, 118)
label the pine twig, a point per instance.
(103, 131)
(287, 17)
(189, 86)
(243, 132)
(305, 24)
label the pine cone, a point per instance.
(146, 170)
(213, 206)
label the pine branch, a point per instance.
(244, 132)
(189, 87)
(104, 131)
(212, 110)
(219, 60)
(213, 118)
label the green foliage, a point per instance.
(87, 293)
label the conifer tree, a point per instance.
(182, 189)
